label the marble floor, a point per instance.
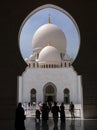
(69, 125)
(77, 124)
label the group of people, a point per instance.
(55, 109)
(55, 112)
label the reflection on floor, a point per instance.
(69, 125)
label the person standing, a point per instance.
(71, 109)
(55, 111)
(37, 114)
(62, 113)
(19, 118)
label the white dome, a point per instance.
(49, 55)
(49, 33)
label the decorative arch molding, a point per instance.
(66, 90)
(50, 6)
(33, 90)
(54, 7)
(50, 83)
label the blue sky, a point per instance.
(58, 18)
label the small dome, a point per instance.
(27, 60)
(49, 55)
(49, 33)
(66, 57)
(32, 57)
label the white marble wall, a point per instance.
(61, 77)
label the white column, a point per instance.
(20, 89)
(80, 94)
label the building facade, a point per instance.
(50, 75)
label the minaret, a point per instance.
(49, 20)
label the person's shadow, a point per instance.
(72, 125)
(62, 126)
(44, 126)
(55, 127)
(37, 126)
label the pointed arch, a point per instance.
(33, 95)
(49, 92)
(66, 96)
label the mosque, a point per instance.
(50, 75)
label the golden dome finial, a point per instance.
(49, 44)
(49, 20)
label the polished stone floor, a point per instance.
(69, 125)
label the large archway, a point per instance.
(49, 92)
(67, 24)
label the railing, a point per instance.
(77, 113)
(30, 112)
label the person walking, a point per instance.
(71, 109)
(19, 118)
(45, 112)
(62, 113)
(55, 111)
